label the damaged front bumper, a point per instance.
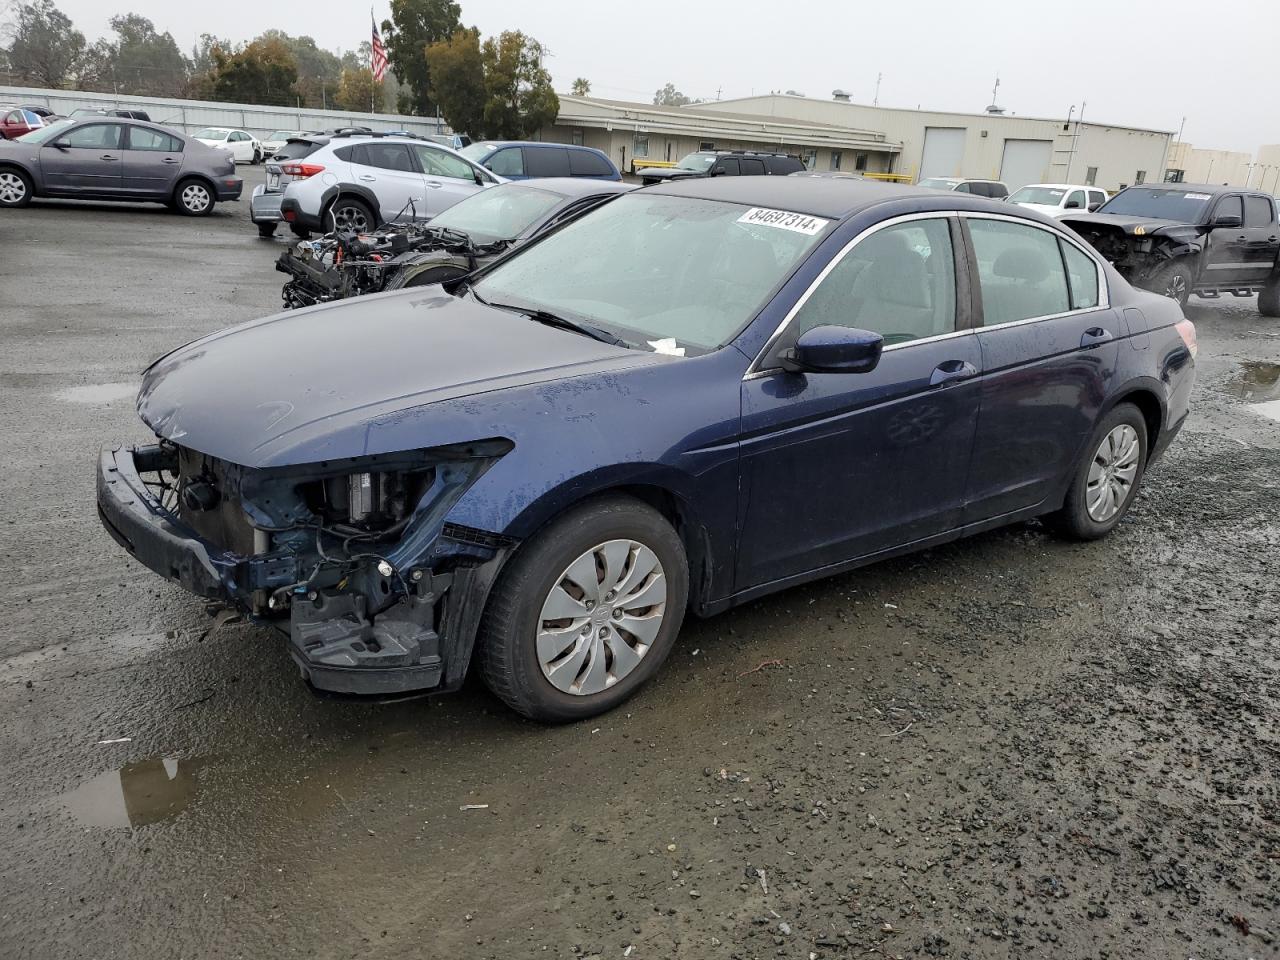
(367, 629)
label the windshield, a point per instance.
(282, 135)
(502, 213)
(654, 268)
(1187, 207)
(936, 183)
(1049, 196)
(477, 151)
(47, 132)
(211, 133)
(697, 161)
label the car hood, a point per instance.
(330, 381)
(666, 173)
(1138, 226)
(1048, 209)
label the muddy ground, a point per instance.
(1010, 747)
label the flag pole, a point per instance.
(373, 85)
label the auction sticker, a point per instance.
(1196, 196)
(784, 220)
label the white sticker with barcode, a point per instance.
(1196, 196)
(784, 220)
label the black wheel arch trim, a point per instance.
(335, 193)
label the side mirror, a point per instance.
(1071, 205)
(716, 172)
(1227, 220)
(831, 349)
(1094, 206)
(62, 145)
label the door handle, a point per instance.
(434, 184)
(367, 178)
(1093, 337)
(170, 160)
(107, 156)
(952, 371)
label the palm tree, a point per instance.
(581, 87)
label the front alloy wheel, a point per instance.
(601, 617)
(14, 190)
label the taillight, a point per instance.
(1187, 330)
(302, 170)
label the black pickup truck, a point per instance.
(722, 163)
(1185, 238)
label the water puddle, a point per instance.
(1258, 383)
(138, 794)
(98, 393)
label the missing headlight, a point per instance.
(369, 501)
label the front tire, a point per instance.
(1269, 298)
(1174, 281)
(1107, 478)
(266, 230)
(585, 612)
(15, 188)
(194, 198)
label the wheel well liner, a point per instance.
(1151, 408)
(334, 194)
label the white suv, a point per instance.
(358, 181)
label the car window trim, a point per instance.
(1104, 290)
(964, 319)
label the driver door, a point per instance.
(838, 466)
(448, 178)
(86, 160)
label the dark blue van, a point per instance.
(526, 159)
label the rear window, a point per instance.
(546, 162)
(588, 163)
(297, 149)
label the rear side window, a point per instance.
(1257, 212)
(1020, 271)
(997, 191)
(354, 153)
(781, 166)
(140, 138)
(751, 168)
(546, 162)
(388, 156)
(1097, 196)
(588, 163)
(507, 163)
(297, 149)
(1082, 276)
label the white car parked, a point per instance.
(243, 147)
(1057, 199)
(274, 142)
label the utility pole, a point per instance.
(875, 102)
(1072, 152)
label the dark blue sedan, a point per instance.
(693, 396)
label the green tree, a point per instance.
(137, 61)
(581, 87)
(669, 96)
(47, 50)
(414, 26)
(264, 71)
(519, 98)
(356, 90)
(458, 81)
(319, 70)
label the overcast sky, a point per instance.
(1147, 64)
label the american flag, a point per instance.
(378, 55)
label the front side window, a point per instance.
(727, 167)
(649, 267)
(1229, 207)
(507, 163)
(95, 136)
(898, 282)
(1076, 201)
(1258, 212)
(14, 116)
(140, 138)
(1020, 271)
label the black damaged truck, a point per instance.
(1180, 238)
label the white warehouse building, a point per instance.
(840, 135)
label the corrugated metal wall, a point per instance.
(191, 115)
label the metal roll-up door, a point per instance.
(943, 152)
(1025, 161)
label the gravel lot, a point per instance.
(1009, 747)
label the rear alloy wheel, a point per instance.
(1107, 480)
(15, 188)
(1173, 281)
(1269, 298)
(194, 198)
(348, 213)
(586, 611)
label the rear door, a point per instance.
(1226, 250)
(152, 161)
(546, 162)
(389, 171)
(751, 167)
(1262, 241)
(85, 160)
(448, 177)
(588, 163)
(1049, 348)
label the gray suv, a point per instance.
(360, 180)
(114, 158)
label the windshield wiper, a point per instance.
(564, 323)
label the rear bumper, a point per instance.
(293, 214)
(264, 207)
(229, 188)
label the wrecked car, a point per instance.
(468, 235)
(688, 398)
(1177, 239)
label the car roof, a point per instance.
(831, 197)
(1213, 188)
(1060, 186)
(572, 187)
(533, 143)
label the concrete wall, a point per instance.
(1267, 174)
(1117, 153)
(190, 115)
(1211, 166)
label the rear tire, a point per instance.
(193, 198)
(15, 188)
(1269, 298)
(257, 157)
(1107, 477)
(1174, 281)
(348, 213)
(302, 233)
(615, 631)
(266, 230)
